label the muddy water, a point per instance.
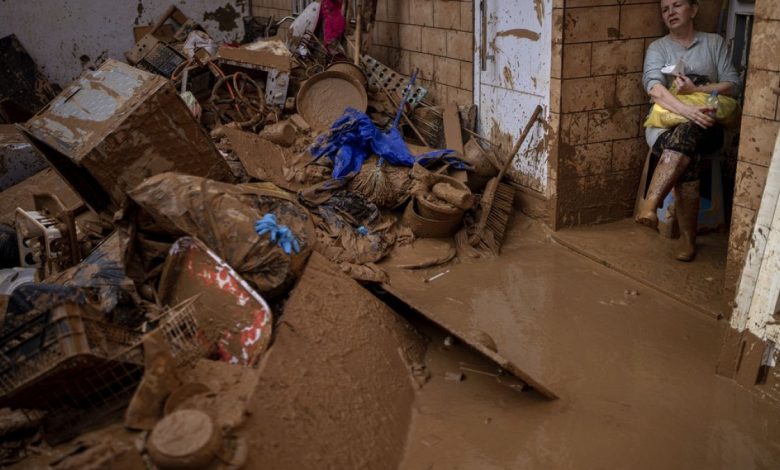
(635, 372)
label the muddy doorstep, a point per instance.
(335, 388)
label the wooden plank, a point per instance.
(453, 138)
(752, 351)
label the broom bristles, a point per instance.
(375, 185)
(497, 205)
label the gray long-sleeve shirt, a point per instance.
(707, 55)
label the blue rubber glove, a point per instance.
(280, 234)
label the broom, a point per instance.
(497, 200)
(375, 182)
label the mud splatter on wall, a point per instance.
(513, 77)
(99, 29)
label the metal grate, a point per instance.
(379, 75)
(161, 60)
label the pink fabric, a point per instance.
(333, 22)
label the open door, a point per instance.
(512, 76)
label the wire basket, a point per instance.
(81, 370)
(188, 341)
(59, 340)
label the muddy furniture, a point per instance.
(276, 66)
(116, 126)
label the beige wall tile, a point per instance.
(424, 62)
(409, 37)
(629, 90)
(582, 94)
(629, 153)
(757, 140)
(749, 186)
(447, 71)
(386, 34)
(641, 21)
(591, 24)
(768, 9)
(434, 41)
(460, 45)
(763, 50)
(398, 11)
(555, 95)
(585, 160)
(467, 16)
(760, 101)
(421, 12)
(576, 60)
(574, 128)
(617, 57)
(467, 75)
(556, 61)
(614, 124)
(446, 14)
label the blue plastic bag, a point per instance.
(353, 138)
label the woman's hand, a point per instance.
(684, 85)
(699, 115)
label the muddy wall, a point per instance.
(67, 36)
(601, 146)
(434, 35)
(760, 125)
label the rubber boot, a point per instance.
(670, 166)
(687, 201)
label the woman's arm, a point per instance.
(696, 114)
(686, 86)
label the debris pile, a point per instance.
(208, 176)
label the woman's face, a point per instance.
(677, 13)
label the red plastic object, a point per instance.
(227, 309)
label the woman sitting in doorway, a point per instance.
(677, 151)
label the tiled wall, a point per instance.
(760, 125)
(434, 35)
(601, 146)
(276, 8)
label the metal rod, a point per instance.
(358, 33)
(403, 115)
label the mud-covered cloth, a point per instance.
(223, 216)
(690, 140)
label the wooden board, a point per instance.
(452, 135)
